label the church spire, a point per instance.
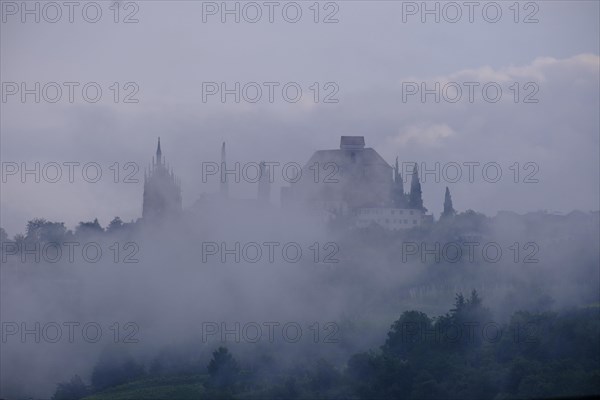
(398, 196)
(158, 153)
(162, 191)
(264, 183)
(224, 186)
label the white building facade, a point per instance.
(390, 218)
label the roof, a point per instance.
(352, 142)
(367, 157)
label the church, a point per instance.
(353, 181)
(162, 190)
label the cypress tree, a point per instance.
(416, 197)
(398, 196)
(448, 208)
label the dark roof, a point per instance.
(366, 156)
(352, 142)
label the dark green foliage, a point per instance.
(448, 207)
(40, 230)
(115, 225)
(89, 228)
(323, 376)
(537, 355)
(398, 196)
(379, 376)
(3, 235)
(75, 389)
(471, 221)
(416, 198)
(109, 372)
(223, 369)
(409, 335)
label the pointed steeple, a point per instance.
(162, 192)
(398, 197)
(224, 186)
(264, 183)
(158, 153)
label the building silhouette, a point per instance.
(264, 184)
(355, 181)
(224, 184)
(162, 190)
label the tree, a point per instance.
(3, 235)
(40, 230)
(111, 372)
(223, 368)
(471, 221)
(324, 376)
(34, 229)
(115, 225)
(379, 376)
(19, 239)
(459, 303)
(448, 208)
(408, 335)
(89, 228)
(415, 200)
(72, 390)
(467, 313)
(398, 196)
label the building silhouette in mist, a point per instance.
(264, 184)
(162, 190)
(356, 181)
(264, 181)
(352, 181)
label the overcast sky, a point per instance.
(546, 118)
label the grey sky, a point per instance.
(368, 54)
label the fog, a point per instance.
(191, 266)
(181, 292)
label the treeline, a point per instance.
(40, 230)
(463, 354)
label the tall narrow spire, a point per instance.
(398, 196)
(162, 192)
(224, 186)
(264, 183)
(158, 153)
